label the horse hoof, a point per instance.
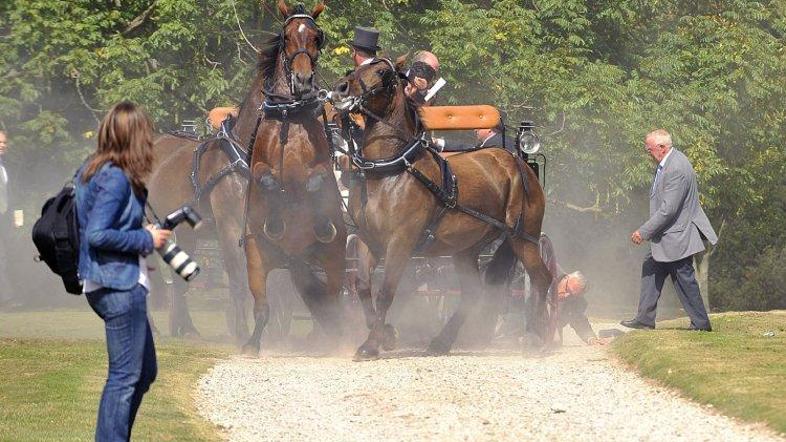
(438, 348)
(389, 338)
(366, 354)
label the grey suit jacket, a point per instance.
(677, 223)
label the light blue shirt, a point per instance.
(659, 169)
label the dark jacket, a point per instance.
(7, 218)
(495, 140)
(110, 229)
(573, 311)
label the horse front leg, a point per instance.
(335, 265)
(258, 270)
(366, 264)
(466, 265)
(232, 254)
(396, 259)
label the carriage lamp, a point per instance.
(189, 126)
(528, 141)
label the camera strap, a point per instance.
(153, 212)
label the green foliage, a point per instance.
(597, 75)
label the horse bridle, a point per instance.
(358, 103)
(288, 59)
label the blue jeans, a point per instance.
(132, 359)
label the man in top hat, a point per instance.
(365, 45)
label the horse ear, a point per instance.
(318, 10)
(401, 62)
(283, 8)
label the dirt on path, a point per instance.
(576, 394)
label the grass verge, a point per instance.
(50, 388)
(739, 368)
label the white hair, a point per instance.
(660, 136)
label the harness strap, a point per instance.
(251, 142)
(448, 200)
(238, 161)
(395, 164)
(237, 166)
(447, 197)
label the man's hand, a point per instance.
(636, 238)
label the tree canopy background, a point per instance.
(597, 75)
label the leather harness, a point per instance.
(446, 193)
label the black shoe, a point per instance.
(634, 323)
(708, 329)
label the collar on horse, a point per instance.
(285, 110)
(395, 164)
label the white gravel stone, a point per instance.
(577, 394)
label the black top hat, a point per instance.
(366, 38)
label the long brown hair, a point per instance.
(125, 138)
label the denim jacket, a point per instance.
(110, 229)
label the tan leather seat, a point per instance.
(217, 116)
(459, 117)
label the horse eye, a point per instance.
(381, 72)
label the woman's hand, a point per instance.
(160, 236)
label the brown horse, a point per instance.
(406, 201)
(293, 203)
(170, 188)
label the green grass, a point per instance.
(736, 368)
(53, 367)
(84, 324)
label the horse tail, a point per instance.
(501, 264)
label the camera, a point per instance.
(173, 255)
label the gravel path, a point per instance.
(575, 395)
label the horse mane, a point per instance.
(269, 54)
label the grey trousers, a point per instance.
(653, 275)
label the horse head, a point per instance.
(300, 43)
(372, 86)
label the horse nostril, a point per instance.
(343, 87)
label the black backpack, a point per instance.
(56, 236)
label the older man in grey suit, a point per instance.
(676, 230)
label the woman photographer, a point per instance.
(111, 196)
